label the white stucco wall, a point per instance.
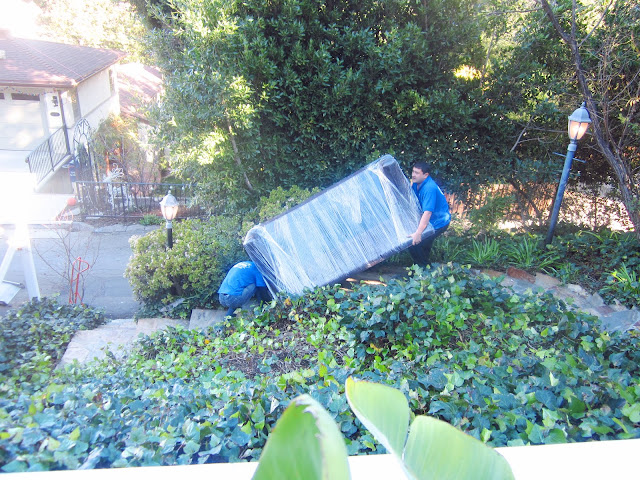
(98, 97)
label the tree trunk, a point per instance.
(629, 190)
(236, 154)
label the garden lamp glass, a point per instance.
(169, 208)
(578, 123)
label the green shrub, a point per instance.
(526, 252)
(485, 253)
(448, 249)
(151, 220)
(566, 272)
(202, 253)
(594, 254)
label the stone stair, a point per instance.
(615, 317)
(118, 336)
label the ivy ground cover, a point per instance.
(507, 369)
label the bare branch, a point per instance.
(602, 132)
(606, 10)
(573, 19)
(236, 154)
(632, 111)
(520, 136)
(510, 12)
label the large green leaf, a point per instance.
(437, 450)
(304, 444)
(383, 410)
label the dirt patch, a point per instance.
(293, 355)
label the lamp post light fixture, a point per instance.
(169, 208)
(578, 123)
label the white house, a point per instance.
(47, 89)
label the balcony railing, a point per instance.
(49, 156)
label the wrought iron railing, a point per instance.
(47, 157)
(131, 200)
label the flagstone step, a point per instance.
(119, 335)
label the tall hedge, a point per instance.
(267, 94)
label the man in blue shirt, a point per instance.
(241, 282)
(435, 211)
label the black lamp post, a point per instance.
(169, 208)
(578, 123)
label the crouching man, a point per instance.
(240, 284)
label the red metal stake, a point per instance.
(78, 267)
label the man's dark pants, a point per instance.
(420, 253)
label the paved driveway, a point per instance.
(106, 249)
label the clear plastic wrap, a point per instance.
(347, 228)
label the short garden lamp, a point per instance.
(169, 208)
(578, 123)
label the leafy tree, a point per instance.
(539, 80)
(606, 63)
(98, 23)
(265, 94)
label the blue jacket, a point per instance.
(240, 276)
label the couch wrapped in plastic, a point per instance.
(347, 228)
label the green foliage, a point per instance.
(624, 285)
(449, 248)
(527, 252)
(151, 220)
(593, 254)
(566, 272)
(433, 449)
(487, 217)
(278, 201)
(202, 253)
(507, 369)
(34, 337)
(485, 252)
(383, 410)
(100, 23)
(306, 443)
(305, 92)
(582, 257)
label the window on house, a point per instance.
(25, 96)
(1, 96)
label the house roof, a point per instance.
(139, 86)
(37, 63)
